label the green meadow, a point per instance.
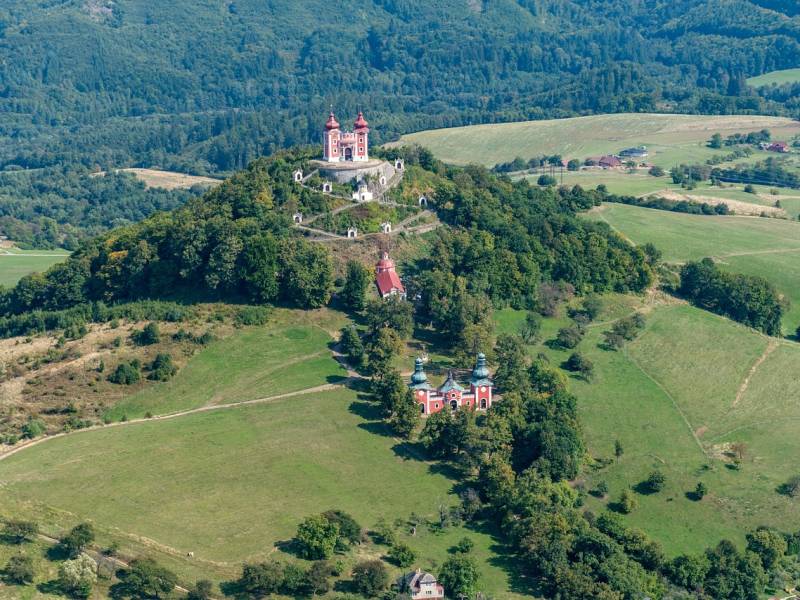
(16, 263)
(671, 139)
(756, 246)
(775, 78)
(676, 398)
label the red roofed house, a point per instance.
(609, 162)
(422, 585)
(778, 147)
(387, 279)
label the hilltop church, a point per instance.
(346, 146)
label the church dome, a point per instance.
(361, 122)
(419, 380)
(332, 122)
(480, 374)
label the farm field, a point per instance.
(671, 139)
(676, 398)
(756, 246)
(268, 465)
(16, 263)
(290, 353)
(775, 78)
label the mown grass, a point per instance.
(15, 264)
(229, 485)
(291, 352)
(756, 246)
(671, 139)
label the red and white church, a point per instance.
(346, 146)
(450, 395)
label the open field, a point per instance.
(691, 384)
(16, 263)
(283, 356)
(268, 465)
(171, 180)
(671, 139)
(766, 247)
(775, 77)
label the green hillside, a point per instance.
(765, 247)
(15, 263)
(775, 78)
(670, 139)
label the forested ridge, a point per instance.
(207, 87)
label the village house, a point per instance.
(346, 145)
(450, 394)
(781, 147)
(637, 152)
(609, 162)
(421, 585)
(387, 279)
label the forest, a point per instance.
(207, 88)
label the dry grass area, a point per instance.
(65, 382)
(739, 207)
(170, 180)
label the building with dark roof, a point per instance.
(421, 585)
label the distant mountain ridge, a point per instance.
(205, 86)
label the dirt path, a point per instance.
(772, 345)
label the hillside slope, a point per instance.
(207, 86)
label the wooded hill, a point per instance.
(207, 87)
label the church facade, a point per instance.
(450, 395)
(346, 146)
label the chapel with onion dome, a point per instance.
(346, 146)
(451, 395)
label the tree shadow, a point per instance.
(408, 450)
(50, 588)
(368, 411)
(56, 553)
(232, 589)
(643, 488)
(504, 558)
(693, 496)
(616, 507)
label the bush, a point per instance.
(162, 368)
(370, 577)
(402, 555)
(700, 491)
(126, 373)
(465, 545)
(19, 570)
(627, 502)
(655, 482)
(568, 337)
(33, 428)
(148, 336)
(546, 180)
(656, 171)
(578, 363)
(78, 539)
(147, 579)
(77, 577)
(251, 315)
(202, 590)
(18, 532)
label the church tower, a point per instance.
(331, 137)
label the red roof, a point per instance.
(360, 123)
(332, 122)
(388, 282)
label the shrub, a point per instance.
(18, 532)
(656, 171)
(147, 579)
(465, 545)
(655, 482)
(33, 428)
(578, 363)
(402, 555)
(251, 315)
(78, 539)
(162, 368)
(569, 337)
(19, 569)
(546, 180)
(126, 373)
(370, 577)
(77, 577)
(627, 502)
(148, 336)
(202, 590)
(700, 491)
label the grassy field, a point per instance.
(671, 139)
(267, 465)
(16, 263)
(766, 247)
(775, 77)
(691, 384)
(170, 180)
(283, 356)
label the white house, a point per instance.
(362, 194)
(421, 586)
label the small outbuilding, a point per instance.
(352, 233)
(298, 176)
(298, 217)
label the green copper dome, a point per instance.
(419, 380)
(480, 374)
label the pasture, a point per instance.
(16, 263)
(775, 78)
(290, 353)
(671, 139)
(676, 398)
(268, 465)
(171, 180)
(755, 246)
